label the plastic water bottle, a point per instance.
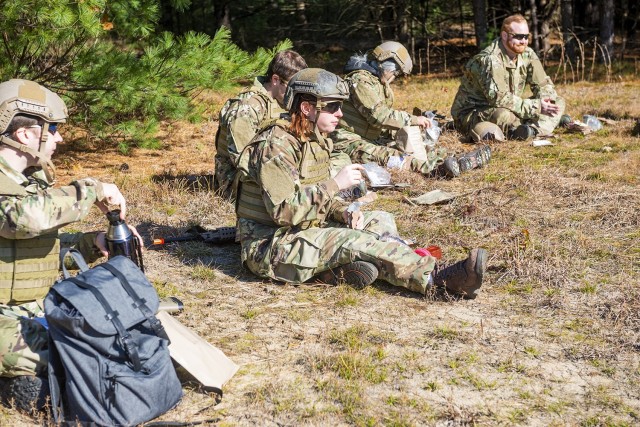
(395, 162)
(592, 121)
(431, 133)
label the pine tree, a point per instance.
(119, 76)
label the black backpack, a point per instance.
(108, 358)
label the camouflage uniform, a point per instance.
(290, 222)
(492, 87)
(369, 123)
(240, 120)
(31, 212)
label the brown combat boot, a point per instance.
(477, 158)
(464, 277)
(448, 169)
(357, 273)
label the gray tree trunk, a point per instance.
(566, 12)
(607, 9)
(480, 22)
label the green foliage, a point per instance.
(119, 77)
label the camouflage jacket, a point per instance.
(491, 80)
(30, 207)
(369, 109)
(275, 163)
(240, 119)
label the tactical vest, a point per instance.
(355, 122)
(28, 267)
(222, 148)
(314, 167)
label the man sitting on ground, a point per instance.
(494, 81)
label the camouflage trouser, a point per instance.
(506, 119)
(363, 151)
(297, 256)
(23, 341)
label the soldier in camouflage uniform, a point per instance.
(293, 228)
(241, 117)
(494, 82)
(31, 212)
(367, 129)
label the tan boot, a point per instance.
(464, 277)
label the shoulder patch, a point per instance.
(280, 184)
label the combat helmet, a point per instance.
(316, 82)
(487, 131)
(26, 97)
(395, 51)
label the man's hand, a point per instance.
(354, 220)
(548, 107)
(101, 240)
(423, 122)
(349, 176)
(112, 196)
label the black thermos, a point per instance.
(121, 241)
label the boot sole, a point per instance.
(479, 268)
(359, 273)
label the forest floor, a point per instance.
(553, 338)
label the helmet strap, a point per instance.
(40, 155)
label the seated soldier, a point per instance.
(293, 228)
(242, 116)
(493, 84)
(369, 122)
(31, 213)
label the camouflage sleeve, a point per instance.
(365, 96)
(43, 210)
(288, 201)
(495, 81)
(244, 122)
(540, 83)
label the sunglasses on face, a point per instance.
(519, 36)
(332, 107)
(53, 128)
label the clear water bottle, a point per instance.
(432, 133)
(121, 241)
(592, 121)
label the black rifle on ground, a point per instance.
(216, 236)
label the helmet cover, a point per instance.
(395, 51)
(19, 96)
(487, 131)
(316, 82)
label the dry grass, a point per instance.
(552, 340)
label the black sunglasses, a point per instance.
(332, 107)
(519, 36)
(53, 128)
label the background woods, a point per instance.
(332, 25)
(125, 67)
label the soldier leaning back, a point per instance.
(292, 226)
(31, 213)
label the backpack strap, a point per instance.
(130, 346)
(56, 376)
(77, 257)
(139, 303)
